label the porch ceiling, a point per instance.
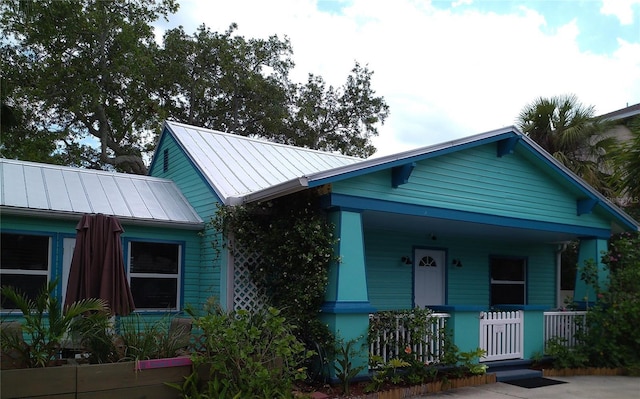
(445, 228)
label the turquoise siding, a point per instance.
(60, 229)
(211, 272)
(390, 282)
(476, 180)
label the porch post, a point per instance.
(346, 309)
(591, 249)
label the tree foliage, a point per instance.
(227, 82)
(83, 71)
(572, 134)
(85, 83)
(627, 173)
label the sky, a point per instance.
(448, 69)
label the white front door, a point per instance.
(428, 272)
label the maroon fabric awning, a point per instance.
(97, 268)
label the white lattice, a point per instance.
(246, 294)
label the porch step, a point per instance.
(517, 374)
(501, 365)
(509, 370)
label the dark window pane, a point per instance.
(153, 257)
(507, 294)
(507, 269)
(154, 293)
(27, 284)
(26, 252)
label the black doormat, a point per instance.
(535, 382)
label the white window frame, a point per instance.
(177, 276)
(25, 272)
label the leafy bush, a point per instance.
(295, 243)
(411, 350)
(416, 323)
(344, 367)
(46, 324)
(565, 357)
(612, 337)
(248, 355)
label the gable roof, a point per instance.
(274, 170)
(624, 113)
(64, 192)
(236, 166)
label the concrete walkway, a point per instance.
(579, 387)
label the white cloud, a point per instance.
(444, 75)
(621, 9)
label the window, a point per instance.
(508, 278)
(24, 263)
(154, 275)
(427, 261)
(165, 160)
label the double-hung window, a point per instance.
(24, 263)
(154, 274)
(508, 281)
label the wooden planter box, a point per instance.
(96, 381)
(581, 371)
(431, 387)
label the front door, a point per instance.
(428, 272)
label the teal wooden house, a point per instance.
(472, 228)
(41, 206)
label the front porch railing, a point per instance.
(564, 325)
(428, 349)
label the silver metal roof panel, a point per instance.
(59, 191)
(236, 165)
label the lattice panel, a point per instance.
(246, 294)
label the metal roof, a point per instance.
(236, 166)
(60, 191)
(243, 169)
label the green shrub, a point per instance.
(565, 357)
(46, 324)
(345, 370)
(248, 355)
(295, 242)
(612, 337)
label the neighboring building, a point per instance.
(622, 117)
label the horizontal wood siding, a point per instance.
(199, 194)
(476, 180)
(390, 282)
(60, 229)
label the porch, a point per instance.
(500, 333)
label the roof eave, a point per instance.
(69, 215)
(587, 189)
(279, 190)
(372, 164)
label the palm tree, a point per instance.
(627, 175)
(573, 135)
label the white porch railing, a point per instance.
(428, 349)
(564, 325)
(501, 335)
